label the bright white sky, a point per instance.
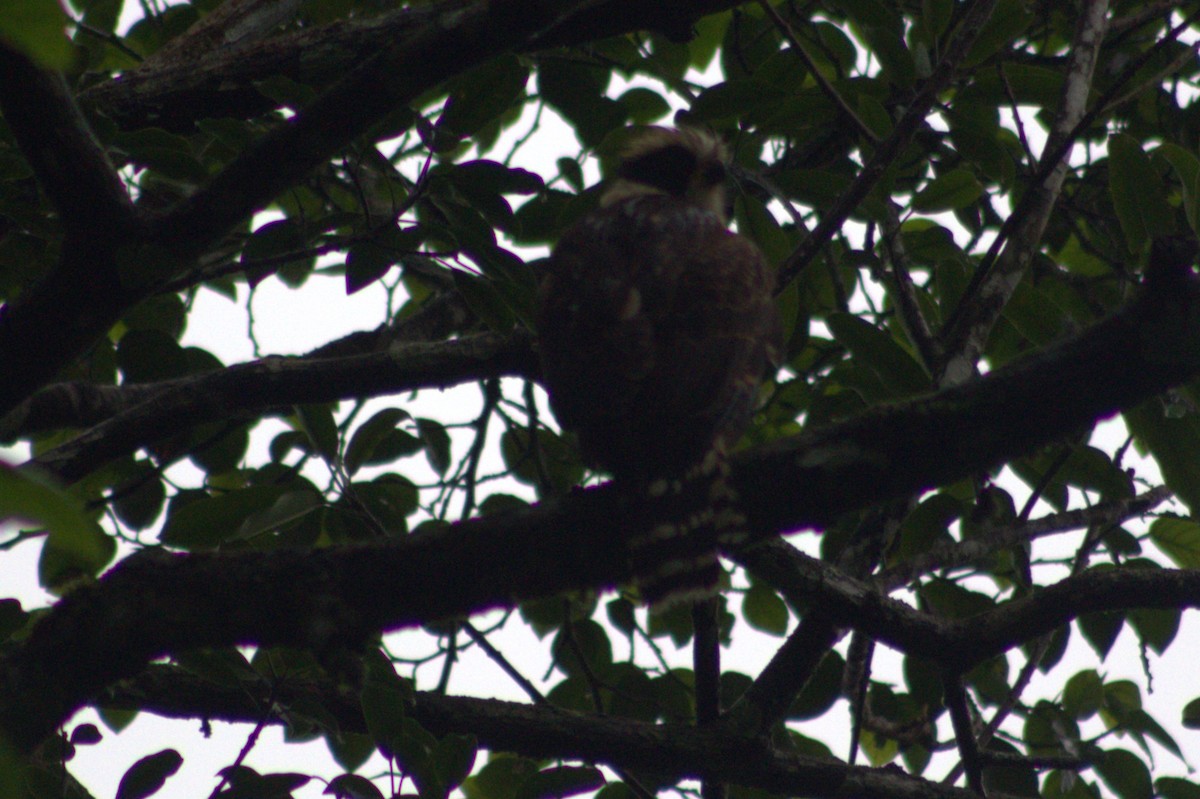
(294, 321)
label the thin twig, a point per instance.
(990, 539)
(816, 73)
(976, 15)
(497, 657)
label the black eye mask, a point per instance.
(669, 168)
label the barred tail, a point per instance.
(675, 555)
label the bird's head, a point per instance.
(680, 162)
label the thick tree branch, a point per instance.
(80, 404)
(960, 645)
(88, 292)
(55, 139)
(672, 751)
(248, 390)
(222, 82)
(49, 324)
(767, 701)
(333, 597)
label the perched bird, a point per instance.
(656, 325)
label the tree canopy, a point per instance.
(982, 214)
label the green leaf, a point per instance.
(1173, 442)
(1177, 788)
(1100, 630)
(206, 523)
(1005, 24)
(76, 544)
(370, 435)
(353, 786)
(146, 776)
(735, 98)
(1191, 715)
(620, 612)
(1155, 627)
(485, 299)
(1083, 694)
(821, 691)
(1035, 315)
(644, 106)
(561, 781)
(1178, 539)
(543, 616)
(366, 262)
(551, 461)
(926, 525)
(878, 749)
(86, 735)
(350, 749)
(286, 509)
(316, 421)
(38, 29)
(116, 719)
(586, 639)
(1049, 730)
(140, 498)
(577, 90)
(246, 782)
(1122, 698)
(633, 694)
(1138, 195)
(1008, 780)
(764, 610)
(454, 757)
(484, 94)
(437, 444)
(952, 601)
(148, 355)
(955, 189)
(501, 778)
(222, 454)
(279, 244)
(876, 349)
(383, 697)
(1142, 725)
(1187, 167)
(924, 681)
(1125, 774)
(1067, 785)
(165, 313)
(758, 224)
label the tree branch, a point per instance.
(330, 598)
(971, 23)
(982, 304)
(245, 391)
(222, 82)
(50, 323)
(81, 404)
(989, 541)
(55, 139)
(673, 751)
(767, 701)
(87, 293)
